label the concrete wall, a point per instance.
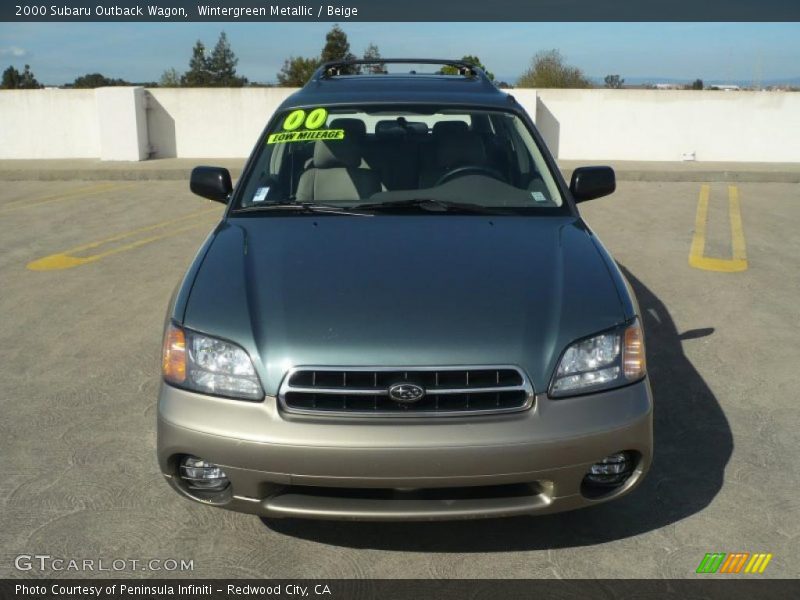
(209, 122)
(48, 124)
(665, 124)
(122, 117)
(597, 124)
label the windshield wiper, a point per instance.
(431, 205)
(308, 207)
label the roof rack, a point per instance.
(335, 67)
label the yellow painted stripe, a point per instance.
(67, 258)
(724, 265)
(737, 232)
(764, 564)
(699, 238)
(86, 191)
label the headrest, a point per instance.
(329, 154)
(460, 149)
(417, 127)
(351, 126)
(389, 128)
(445, 128)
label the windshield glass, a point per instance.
(373, 156)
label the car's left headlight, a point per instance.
(207, 364)
(600, 362)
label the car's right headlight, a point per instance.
(207, 364)
(600, 362)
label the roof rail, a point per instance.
(334, 67)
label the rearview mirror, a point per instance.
(589, 183)
(213, 183)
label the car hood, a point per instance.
(403, 291)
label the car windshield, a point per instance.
(400, 158)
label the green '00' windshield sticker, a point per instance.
(313, 121)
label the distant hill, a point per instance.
(792, 81)
(598, 81)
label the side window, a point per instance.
(276, 160)
(519, 151)
(540, 182)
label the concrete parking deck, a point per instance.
(179, 168)
(79, 371)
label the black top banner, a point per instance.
(399, 10)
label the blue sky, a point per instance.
(59, 52)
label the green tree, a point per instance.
(11, 79)
(296, 71)
(469, 58)
(96, 80)
(14, 80)
(338, 48)
(697, 84)
(199, 73)
(372, 53)
(614, 82)
(222, 65)
(548, 70)
(170, 78)
(28, 80)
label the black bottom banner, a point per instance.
(399, 589)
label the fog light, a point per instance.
(198, 474)
(612, 470)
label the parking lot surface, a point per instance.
(87, 268)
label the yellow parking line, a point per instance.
(699, 238)
(737, 232)
(67, 258)
(738, 262)
(87, 191)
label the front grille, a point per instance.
(365, 391)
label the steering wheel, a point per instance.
(467, 169)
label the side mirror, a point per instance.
(213, 183)
(589, 183)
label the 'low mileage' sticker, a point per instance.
(305, 136)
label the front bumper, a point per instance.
(531, 462)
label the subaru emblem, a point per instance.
(406, 393)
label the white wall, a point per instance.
(661, 125)
(123, 123)
(596, 124)
(209, 122)
(48, 124)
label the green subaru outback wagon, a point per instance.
(402, 315)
